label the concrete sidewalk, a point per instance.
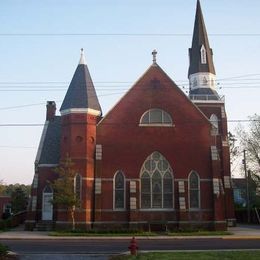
(239, 232)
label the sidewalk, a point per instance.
(239, 232)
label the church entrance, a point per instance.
(47, 207)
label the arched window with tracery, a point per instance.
(194, 190)
(119, 190)
(156, 183)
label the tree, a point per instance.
(234, 151)
(2, 187)
(19, 200)
(250, 141)
(63, 186)
(9, 189)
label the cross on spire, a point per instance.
(154, 53)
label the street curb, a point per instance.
(231, 237)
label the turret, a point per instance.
(80, 112)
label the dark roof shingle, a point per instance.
(50, 153)
(200, 38)
(81, 92)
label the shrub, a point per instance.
(3, 250)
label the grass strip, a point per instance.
(206, 255)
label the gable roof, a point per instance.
(81, 93)
(149, 75)
(200, 38)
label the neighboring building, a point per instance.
(5, 207)
(157, 158)
(240, 192)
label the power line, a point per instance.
(57, 101)
(18, 147)
(126, 124)
(14, 125)
(123, 34)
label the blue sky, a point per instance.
(34, 69)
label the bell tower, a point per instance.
(80, 112)
(202, 81)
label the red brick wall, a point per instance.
(126, 145)
(3, 201)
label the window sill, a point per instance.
(156, 125)
(161, 209)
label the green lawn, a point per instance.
(229, 255)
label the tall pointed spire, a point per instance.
(201, 70)
(81, 95)
(201, 59)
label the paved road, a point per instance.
(116, 246)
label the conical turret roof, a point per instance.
(81, 94)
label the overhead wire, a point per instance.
(121, 34)
(126, 124)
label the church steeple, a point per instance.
(201, 70)
(81, 96)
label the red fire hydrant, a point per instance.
(133, 247)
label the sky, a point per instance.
(40, 44)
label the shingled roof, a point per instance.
(49, 149)
(204, 93)
(200, 38)
(81, 93)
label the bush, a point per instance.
(3, 250)
(5, 224)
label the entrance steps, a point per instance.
(44, 225)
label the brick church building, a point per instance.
(157, 158)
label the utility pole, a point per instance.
(247, 187)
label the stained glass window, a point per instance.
(156, 183)
(119, 190)
(194, 190)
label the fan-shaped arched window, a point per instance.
(214, 121)
(156, 183)
(194, 190)
(119, 190)
(156, 117)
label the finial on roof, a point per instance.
(154, 53)
(82, 57)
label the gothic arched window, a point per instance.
(194, 190)
(156, 183)
(203, 55)
(119, 190)
(156, 117)
(78, 187)
(214, 121)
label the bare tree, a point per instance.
(250, 141)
